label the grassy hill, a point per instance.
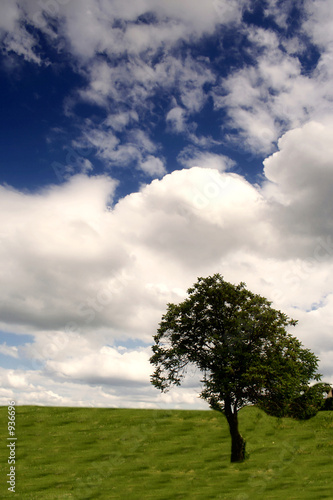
(83, 453)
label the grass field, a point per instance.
(159, 454)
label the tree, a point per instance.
(241, 346)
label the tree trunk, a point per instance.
(237, 442)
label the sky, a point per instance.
(145, 144)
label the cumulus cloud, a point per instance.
(301, 176)
(85, 280)
(36, 388)
(68, 370)
(106, 366)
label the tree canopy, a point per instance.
(242, 347)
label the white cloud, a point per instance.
(263, 98)
(301, 175)
(38, 388)
(88, 24)
(136, 147)
(176, 119)
(8, 350)
(22, 43)
(135, 81)
(9, 14)
(119, 121)
(139, 38)
(153, 166)
(319, 22)
(86, 166)
(281, 11)
(275, 94)
(106, 366)
(190, 157)
(14, 379)
(104, 141)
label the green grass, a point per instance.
(159, 454)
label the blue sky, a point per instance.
(145, 144)
(46, 113)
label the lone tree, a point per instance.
(240, 344)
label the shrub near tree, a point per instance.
(242, 347)
(326, 392)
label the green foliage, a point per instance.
(242, 347)
(309, 403)
(105, 453)
(239, 342)
(326, 401)
(328, 405)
